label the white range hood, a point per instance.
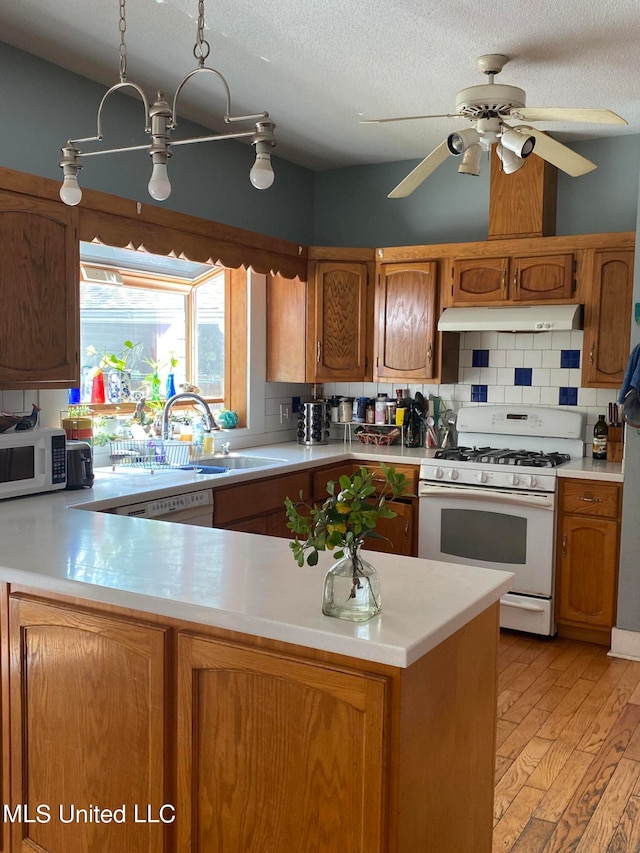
(512, 318)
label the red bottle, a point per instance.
(97, 388)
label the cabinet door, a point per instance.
(340, 340)
(405, 311)
(286, 329)
(398, 531)
(548, 277)
(479, 280)
(607, 327)
(39, 277)
(588, 567)
(276, 753)
(88, 728)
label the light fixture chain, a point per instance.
(123, 45)
(201, 48)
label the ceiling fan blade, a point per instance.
(405, 118)
(421, 172)
(559, 155)
(562, 114)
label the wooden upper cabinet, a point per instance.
(406, 321)
(286, 329)
(607, 322)
(534, 278)
(39, 277)
(337, 348)
(480, 280)
(542, 278)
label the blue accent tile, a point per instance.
(522, 375)
(568, 396)
(570, 358)
(478, 393)
(480, 358)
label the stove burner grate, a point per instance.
(503, 456)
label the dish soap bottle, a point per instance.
(600, 438)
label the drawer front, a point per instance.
(258, 497)
(410, 472)
(591, 498)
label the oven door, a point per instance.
(495, 529)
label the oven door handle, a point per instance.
(518, 606)
(541, 501)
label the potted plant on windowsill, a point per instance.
(118, 376)
(346, 518)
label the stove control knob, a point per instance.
(482, 477)
(532, 482)
(453, 474)
(515, 479)
(439, 473)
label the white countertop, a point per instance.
(237, 581)
(592, 469)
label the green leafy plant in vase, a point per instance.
(341, 524)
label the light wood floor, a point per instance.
(568, 749)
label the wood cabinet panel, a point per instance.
(479, 280)
(592, 498)
(254, 725)
(286, 329)
(87, 726)
(587, 558)
(607, 327)
(39, 276)
(542, 278)
(259, 497)
(589, 549)
(337, 348)
(406, 323)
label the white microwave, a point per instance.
(32, 461)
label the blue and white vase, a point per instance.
(119, 386)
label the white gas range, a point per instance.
(491, 501)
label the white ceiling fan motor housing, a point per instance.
(478, 101)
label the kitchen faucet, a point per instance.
(211, 424)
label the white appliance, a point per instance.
(194, 508)
(32, 461)
(491, 502)
(511, 318)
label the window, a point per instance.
(172, 311)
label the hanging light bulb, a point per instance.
(70, 192)
(159, 186)
(261, 174)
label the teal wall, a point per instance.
(351, 207)
(43, 105)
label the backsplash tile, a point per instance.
(545, 363)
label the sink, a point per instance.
(236, 461)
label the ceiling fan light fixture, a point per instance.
(510, 162)
(471, 161)
(459, 141)
(521, 144)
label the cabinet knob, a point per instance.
(430, 353)
(591, 500)
(592, 353)
(319, 352)
(564, 545)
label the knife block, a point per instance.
(614, 444)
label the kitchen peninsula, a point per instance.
(153, 664)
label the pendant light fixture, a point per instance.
(161, 120)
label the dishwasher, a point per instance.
(195, 508)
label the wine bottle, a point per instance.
(600, 438)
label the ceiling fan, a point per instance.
(487, 106)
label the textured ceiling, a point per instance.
(318, 66)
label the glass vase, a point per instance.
(352, 588)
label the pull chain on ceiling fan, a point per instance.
(487, 106)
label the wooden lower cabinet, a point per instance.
(282, 754)
(587, 559)
(87, 710)
(258, 745)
